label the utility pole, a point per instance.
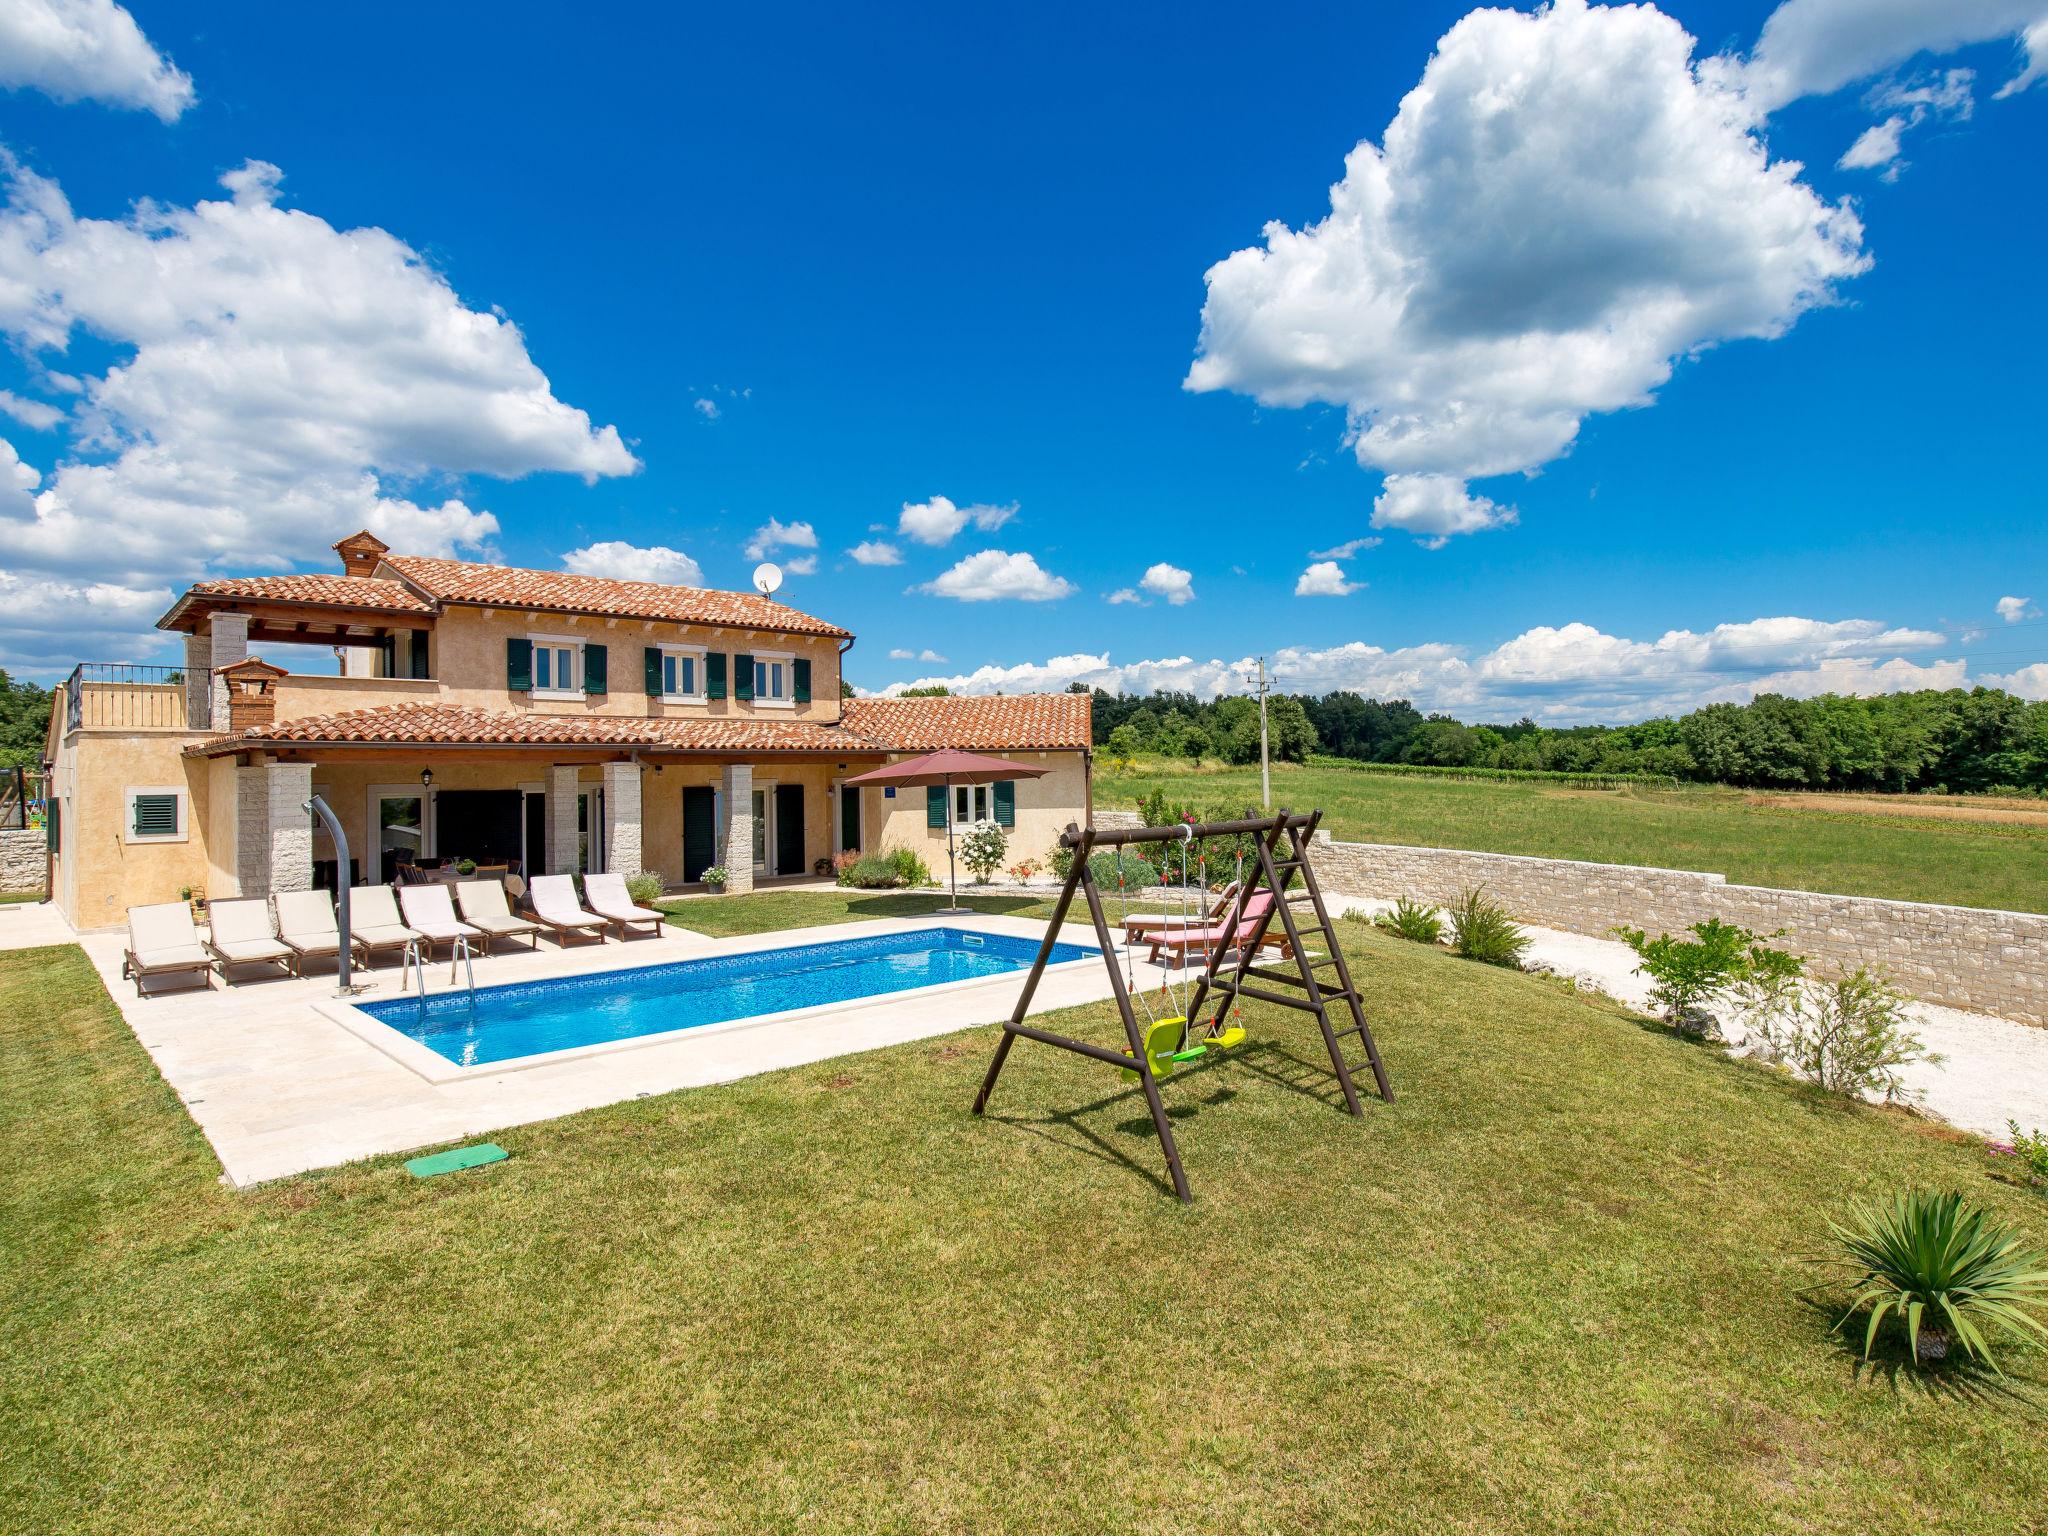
(1263, 684)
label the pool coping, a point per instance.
(430, 1064)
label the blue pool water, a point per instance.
(556, 1015)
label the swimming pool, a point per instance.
(529, 1018)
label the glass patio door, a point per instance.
(762, 801)
(401, 832)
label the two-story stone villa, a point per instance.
(548, 720)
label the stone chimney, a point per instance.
(252, 694)
(360, 553)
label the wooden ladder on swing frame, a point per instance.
(1268, 875)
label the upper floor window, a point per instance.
(557, 667)
(772, 679)
(682, 674)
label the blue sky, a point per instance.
(939, 253)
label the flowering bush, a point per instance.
(843, 862)
(1024, 871)
(983, 849)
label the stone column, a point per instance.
(622, 850)
(290, 786)
(736, 784)
(561, 859)
(229, 643)
(252, 831)
(199, 682)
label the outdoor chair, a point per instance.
(1179, 943)
(609, 900)
(428, 909)
(305, 922)
(1140, 923)
(553, 898)
(483, 906)
(374, 924)
(162, 941)
(240, 933)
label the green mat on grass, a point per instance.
(455, 1159)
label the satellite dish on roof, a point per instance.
(767, 577)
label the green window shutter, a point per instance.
(156, 816)
(53, 821)
(596, 667)
(421, 665)
(654, 688)
(742, 675)
(1006, 802)
(801, 668)
(387, 646)
(934, 805)
(519, 665)
(714, 675)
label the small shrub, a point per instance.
(714, 875)
(2031, 1151)
(1136, 874)
(910, 870)
(1720, 961)
(1060, 861)
(871, 872)
(1482, 930)
(644, 887)
(1024, 871)
(1416, 921)
(843, 862)
(1947, 1271)
(1847, 1036)
(983, 847)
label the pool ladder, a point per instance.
(460, 962)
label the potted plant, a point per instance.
(465, 867)
(714, 879)
(821, 867)
(196, 899)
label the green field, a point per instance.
(1845, 849)
(1560, 1285)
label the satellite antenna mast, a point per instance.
(767, 577)
(1263, 684)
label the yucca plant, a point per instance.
(1415, 920)
(1482, 930)
(1949, 1272)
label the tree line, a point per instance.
(24, 718)
(1954, 740)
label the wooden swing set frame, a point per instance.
(1309, 994)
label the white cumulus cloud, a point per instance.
(1347, 549)
(995, 574)
(1436, 507)
(88, 50)
(1325, 578)
(36, 414)
(876, 552)
(1815, 47)
(1563, 207)
(935, 521)
(927, 654)
(635, 562)
(270, 383)
(1875, 146)
(2016, 610)
(802, 565)
(776, 534)
(1123, 595)
(1170, 582)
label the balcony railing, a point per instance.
(118, 695)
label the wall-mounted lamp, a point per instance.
(426, 778)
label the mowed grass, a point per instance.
(1556, 1287)
(1850, 852)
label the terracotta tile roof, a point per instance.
(459, 581)
(444, 725)
(332, 590)
(980, 722)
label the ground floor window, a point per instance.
(971, 803)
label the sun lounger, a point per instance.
(608, 899)
(484, 906)
(240, 933)
(1138, 923)
(162, 941)
(305, 922)
(554, 902)
(373, 921)
(428, 909)
(1178, 944)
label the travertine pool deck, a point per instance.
(281, 1085)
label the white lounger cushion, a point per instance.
(428, 909)
(373, 917)
(607, 897)
(554, 898)
(483, 903)
(242, 931)
(161, 937)
(305, 921)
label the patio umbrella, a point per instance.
(949, 767)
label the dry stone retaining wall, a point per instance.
(22, 860)
(1980, 959)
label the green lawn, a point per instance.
(1971, 864)
(1556, 1287)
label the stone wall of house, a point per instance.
(22, 860)
(1981, 959)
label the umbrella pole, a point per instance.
(952, 863)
